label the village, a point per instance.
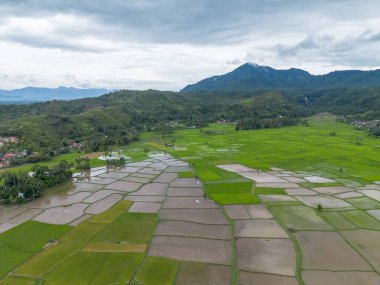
(365, 125)
(6, 157)
(9, 155)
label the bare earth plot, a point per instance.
(337, 246)
(145, 224)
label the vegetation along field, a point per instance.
(347, 155)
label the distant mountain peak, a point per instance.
(40, 94)
(251, 76)
(252, 64)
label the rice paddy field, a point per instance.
(278, 206)
(349, 155)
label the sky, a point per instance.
(167, 44)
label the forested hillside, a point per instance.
(119, 117)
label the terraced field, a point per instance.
(215, 220)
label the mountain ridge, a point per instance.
(251, 76)
(42, 94)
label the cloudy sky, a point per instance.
(166, 44)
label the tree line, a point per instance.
(24, 186)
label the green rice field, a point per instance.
(330, 226)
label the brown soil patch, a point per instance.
(259, 228)
(367, 243)
(258, 212)
(249, 278)
(144, 207)
(237, 212)
(328, 251)
(124, 186)
(103, 205)
(192, 249)
(203, 216)
(189, 229)
(185, 192)
(275, 256)
(189, 203)
(62, 215)
(192, 273)
(340, 278)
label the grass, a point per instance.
(48, 259)
(270, 191)
(157, 271)
(10, 258)
(114, 247)
(93, 252)
(186, 174)
(226, 187)
(337, 220)
(364, 203)
(96, 268)
(19, 280)
(238, 198)
(31, 236)
(134, 228)
(361, 219)
(76, 259)
(69, 157)
(299, 218)
(79, 269)
(118, 268)
(72, 242)
(296, 148)
(227, 192)
(68, 245)
(21, 242)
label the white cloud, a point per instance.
(167, 44)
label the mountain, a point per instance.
(252, 77)
(37, 94)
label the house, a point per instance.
(75, 145)
(4, 164)
(9, 139)
(13, 139)
(9, 156)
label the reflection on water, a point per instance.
(156, 154)
(60, 189)
(86, 175)
(82, 176)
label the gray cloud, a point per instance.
(184, 20)
(348, 50)
(169, 43)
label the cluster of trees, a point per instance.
(45, 155)
(375, 132)
(82, 163)
(117, 162)
(23, 186)
(266, 123)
